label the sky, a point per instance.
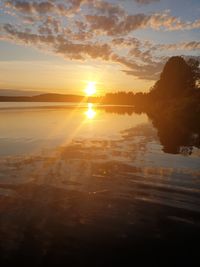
(121, 45)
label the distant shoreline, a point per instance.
(48, 98)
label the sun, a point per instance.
(90, 89)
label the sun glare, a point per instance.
(90, 89)
(90, 113)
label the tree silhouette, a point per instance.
(178, 78)
(194, 65)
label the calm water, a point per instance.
(31, 127)
(94, 181)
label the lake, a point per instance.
(86, 184)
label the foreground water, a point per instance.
(92, 185)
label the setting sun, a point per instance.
(90, 89)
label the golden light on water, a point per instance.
(90, 89)
(90, 113)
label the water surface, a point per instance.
(85, 184)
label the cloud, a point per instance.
(44, 7)
(81, 51)
(30, 7)
(143, 71)
(102, 7)
(189, 46)
(146, 2)
(115, 25)
(60, 44)
(77, 51)
(88, 29)
(126, 42)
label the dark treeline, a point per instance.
(120, 98)
(173, 105)
(179, 80)
(125, 98)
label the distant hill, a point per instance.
(11, 92)
(48, 98)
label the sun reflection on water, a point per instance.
(90, 113)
